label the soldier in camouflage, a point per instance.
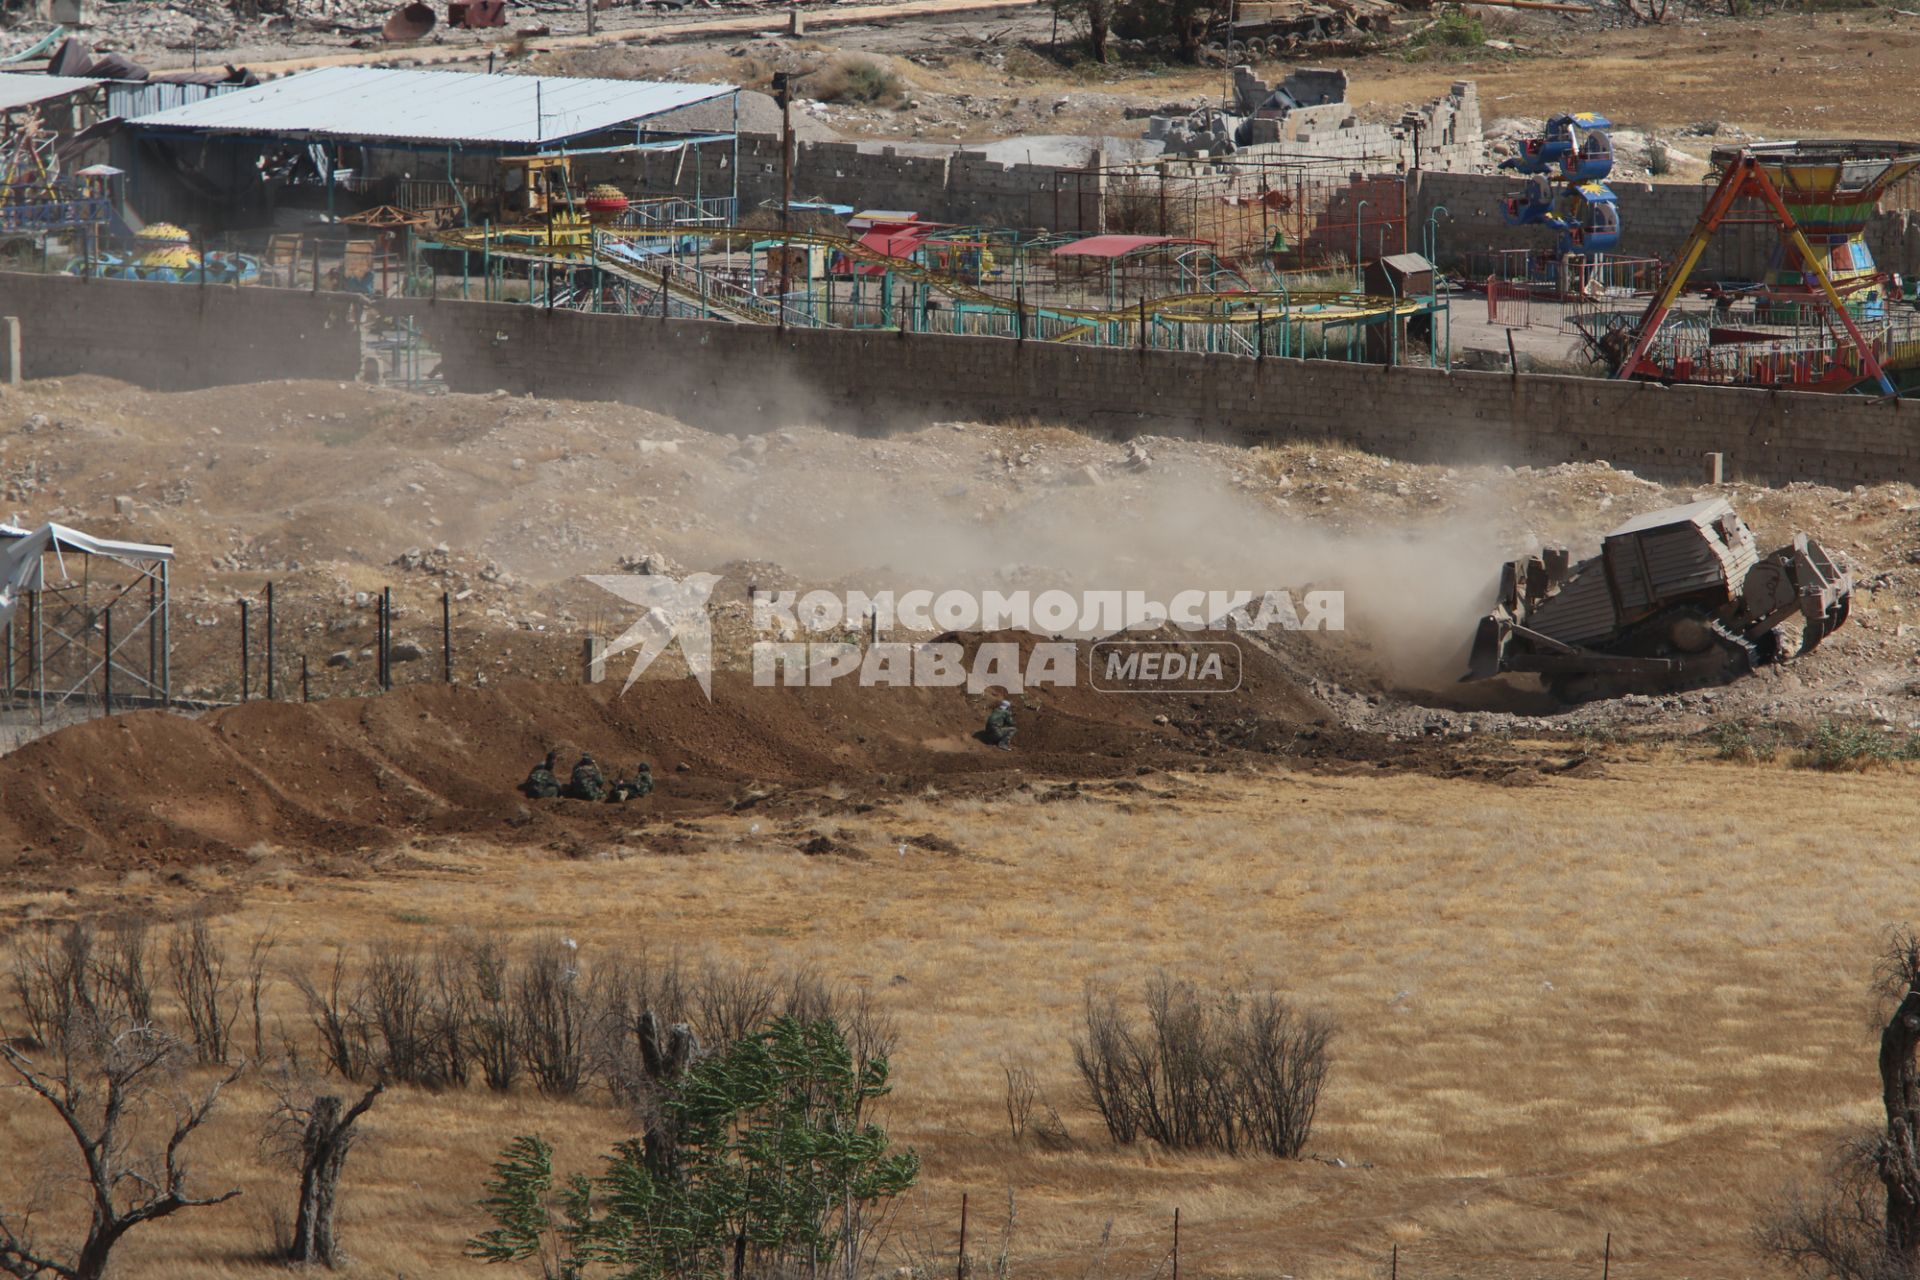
(540, 783)
(640, 784)
(588, 782)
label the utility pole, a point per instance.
(783, 90)
(591, 6)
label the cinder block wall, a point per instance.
(176, 337)
(751, 378)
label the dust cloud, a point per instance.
(1412, 594)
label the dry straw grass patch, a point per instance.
(1632, 1003)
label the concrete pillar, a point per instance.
(593, 660)
(796, 22)
(1716, 467)
(10, 348)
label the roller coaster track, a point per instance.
(1240, 307)
(687, 292)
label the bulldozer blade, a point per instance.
(1484, 660)
(1828, 623)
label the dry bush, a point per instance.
(556, 1017)
(1835, 1228)
(336, 1022)
(1020, 1096)
(730, 1001)
(412, 1006)
(857, 80)
(197, 967)
(124, 970)
(437, 1016)
(493, 1030)
(1229, 1072)
(72, 977)
(1137, 205)
(49, 972)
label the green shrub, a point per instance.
(1855, 746)
(1454, 29)
(1733, 741)
(766, 1139)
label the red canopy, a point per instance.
(898, 241)
(1115, 246)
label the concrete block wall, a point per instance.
(750, 378)
(962, 187)
(177, 337)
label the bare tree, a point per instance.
(1097, 15)
(99, 1075)
(1862, 1220)
(326, 1128)
(257, 983)
(1896, 978)
(122, 971)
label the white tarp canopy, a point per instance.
(22, 553)
(375, 104)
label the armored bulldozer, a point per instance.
(1676, 599)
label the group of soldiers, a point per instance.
(587, 782)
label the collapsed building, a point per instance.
(1307, 115)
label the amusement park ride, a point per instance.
(35, 197)
(1819, 319)
(1577, 150)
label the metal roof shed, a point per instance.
(17, 90)
(334, 110)
(402, 106)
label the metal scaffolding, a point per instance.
(86, 621)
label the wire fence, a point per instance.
(367, 651)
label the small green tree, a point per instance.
(774, 1160)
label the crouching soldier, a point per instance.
(540, 783)
(1000, 726)
(640, 784)
(588, 782)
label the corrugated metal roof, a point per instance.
(1701, 512)
(404, 105)
(20, 90)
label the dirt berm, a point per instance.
(152, 789)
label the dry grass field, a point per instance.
(1631, 1003)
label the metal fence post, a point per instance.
(244, 654)
(960, 1267)
(386, 639)
(269, 642)
(106, 667)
